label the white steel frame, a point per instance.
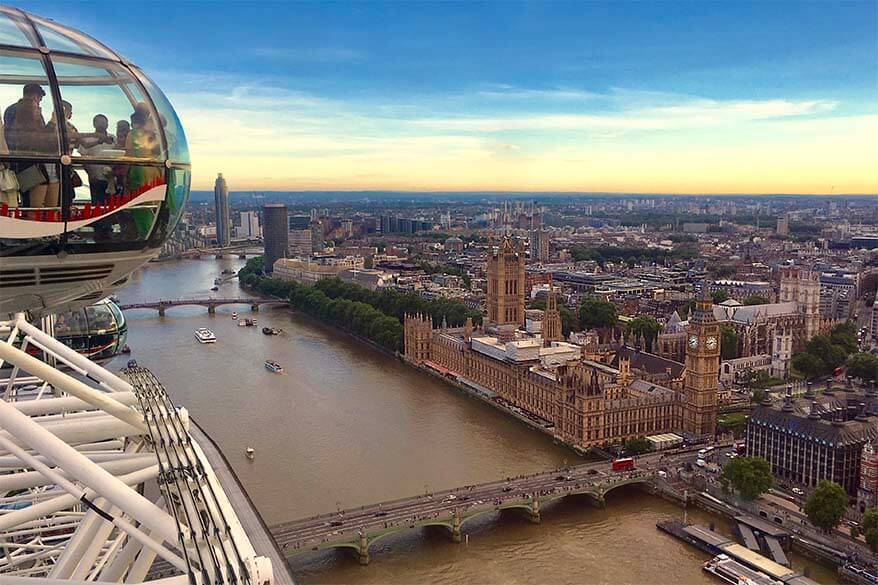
(100, 481)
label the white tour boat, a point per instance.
(205, 335)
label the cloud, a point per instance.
(267, 136)
(693, 114)
(309, 55)
(509, 92)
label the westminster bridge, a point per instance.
(449, 510)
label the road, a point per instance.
(466, 501)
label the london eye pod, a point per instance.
(94, 166)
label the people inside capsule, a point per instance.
(73, 141)
(28, 132)
(101, 178)
(142, 142)
(37, 185)
(122, 130)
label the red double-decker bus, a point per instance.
(623, 464)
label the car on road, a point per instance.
(559, 477)
(508, 488)
(592, 471)
(798, 491)
(335, 522)
(381, 513)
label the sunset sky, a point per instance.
(661, 97)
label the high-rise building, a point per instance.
(702, 370)
(249, 225)
(506, 284)
(275, 233)
(783, 225)
(539, 246)
(299, 222)
(223, 215)
(316, 236)
(300, 243)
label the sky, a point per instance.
(650, 97)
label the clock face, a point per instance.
(711, 343)
(693, 341)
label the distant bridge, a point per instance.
(211, 304)
(248, 248)
(359, 528)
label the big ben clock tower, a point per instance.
(702, 370)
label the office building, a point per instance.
(275, 233)
(539, 246)
(300, 245)
(816, 436)
(249, 227)
(783, 225)
(223, 215)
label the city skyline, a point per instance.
(658, 98)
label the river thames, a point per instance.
(347, 425)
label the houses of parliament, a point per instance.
(589, 394)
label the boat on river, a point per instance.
(271, 331)
(205, 335)
(273, 366)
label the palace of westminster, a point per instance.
(590, 394)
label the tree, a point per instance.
(845, 336)
(832, 354)
(638, 446)
(826, 505)
(729, 339)
(755, 300)
(749, 476)
(644, 326)
(569, 320)
(869, 528)
(720, 296)
(863, 366)
(597, 314)
(758, 395)
(808, 365)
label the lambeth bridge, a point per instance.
(360, 528)
(211, 304)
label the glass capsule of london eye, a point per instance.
(94, 166)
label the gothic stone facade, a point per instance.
(588, 403)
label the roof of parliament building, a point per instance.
(837, 415)
(648, 362)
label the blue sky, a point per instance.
(621, 96)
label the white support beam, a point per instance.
(90, 474)
(67, 404)
(12, 580)
(62, 381)
(65, 501)
(32, 479)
